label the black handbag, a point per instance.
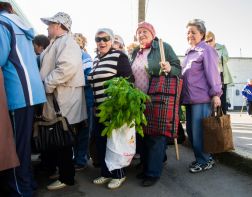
(54, 134)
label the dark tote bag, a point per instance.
(217, 135)
(162, 112)
(54, 134)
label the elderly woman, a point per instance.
(109, 63)
(146, 62)
(201, 90)
(226, 77)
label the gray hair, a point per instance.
(199, 24)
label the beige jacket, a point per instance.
(62, 74)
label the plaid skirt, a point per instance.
(162, 112)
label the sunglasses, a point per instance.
(104, 39)
(211, 40)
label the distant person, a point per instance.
(247, 93)
(226, 77)
(130, 48)
(118, 43)
(24, 90)
(81, 155)
(201, 90)
(62, 74)
(40, 42)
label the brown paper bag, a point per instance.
(217, 136)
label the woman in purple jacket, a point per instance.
(201, 90)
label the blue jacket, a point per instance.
(87, 66)
(247, 92)
(22, 80)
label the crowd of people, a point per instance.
(36, 69)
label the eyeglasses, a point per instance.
(104, 39)
(211, 40)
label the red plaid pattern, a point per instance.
(162, 113)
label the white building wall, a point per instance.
(241, 70)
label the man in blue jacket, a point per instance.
(247, 93)
(24, 89)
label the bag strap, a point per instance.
(162, 55)
(56, 106)
(217, 113)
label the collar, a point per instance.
(198, 48)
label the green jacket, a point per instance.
(223, 67)
(154, 59)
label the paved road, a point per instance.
(242, 133)
(176, 181)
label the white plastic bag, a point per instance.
(121, 147)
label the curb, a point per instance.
(233, 159)
(236, 161)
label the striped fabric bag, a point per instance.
(162, 113)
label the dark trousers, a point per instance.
(154, 148)
(223, 98)
(101, 143)
(249, 107)
(20, 179)
(66, 165)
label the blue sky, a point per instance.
(230, 20)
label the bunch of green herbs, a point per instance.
(125, 104)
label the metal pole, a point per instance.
(141, 10)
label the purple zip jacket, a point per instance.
(200, 74)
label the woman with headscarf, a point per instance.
(108, 63)
(146, 62)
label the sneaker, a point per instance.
(200, 167)
(193, 164)
(211, 161)
(56, 185)
(101, 180)
(115, 183)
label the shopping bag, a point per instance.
(121, 147)
(217, 136)
(162, 112)
(54, 134)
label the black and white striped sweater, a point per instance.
(113, 64)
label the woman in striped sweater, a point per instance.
(108, 63)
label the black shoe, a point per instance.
(141, 175)
(149, 181)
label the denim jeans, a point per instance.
(154, 148)
(81, 155)
(194, 115)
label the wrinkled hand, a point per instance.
(216, 102)
(166, 67)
